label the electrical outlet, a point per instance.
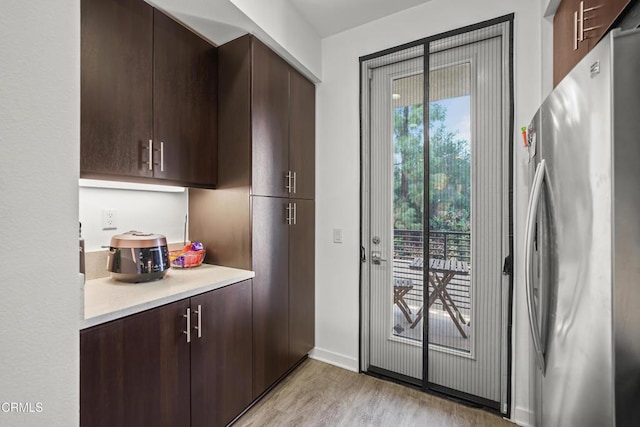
(109, 219)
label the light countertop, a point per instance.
(106, 299)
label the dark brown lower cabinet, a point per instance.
(284, 291)
(301, 281)
(135, 371)
(141, 371)
(221, 359)
(270, 291)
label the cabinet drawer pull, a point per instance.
(188, 331)
(199, 327)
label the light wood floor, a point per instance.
(318, 394)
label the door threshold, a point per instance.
(436, 390)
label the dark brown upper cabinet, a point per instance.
(269, 122)
(578, 26)
(116, 71)
(283, 127)
(605, 14)
(184, 104)
(148, 97)
(302, 137)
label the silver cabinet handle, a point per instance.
(575, 31)
(295, 178)
(581, 23)
(188, 331)
(288, 186)
(295, 212)
(199, 327)
(534, 200)
(150, 155)
(583, 18)
(578, 24)
(288, 216)
(161, 150)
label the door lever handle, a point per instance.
(376, 258)
(507, 267)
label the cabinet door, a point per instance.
(301, 281)
(270, 241)
(221, 359)
(602, 18)
(270, 122)
(115, 87)
(564, 36)
(135, 371)
(302, 135)
(184, 105)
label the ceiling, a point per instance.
(330, 17)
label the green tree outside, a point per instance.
(449, 172)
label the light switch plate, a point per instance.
(337, 235)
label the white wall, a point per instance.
(150, 211)
(274, 22)
(337, 191)
(288, 28)
(39, 161)
(548, 7)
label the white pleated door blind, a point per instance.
(435, 213)
(467, 221)
(397, 178)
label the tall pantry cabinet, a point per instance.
(261, 217)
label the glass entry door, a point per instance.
(435, 220)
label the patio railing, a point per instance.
(408, 244)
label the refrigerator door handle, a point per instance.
(534, 200)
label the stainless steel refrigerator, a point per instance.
(582, 250)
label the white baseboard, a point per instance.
(339, 360)
(523, 417)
